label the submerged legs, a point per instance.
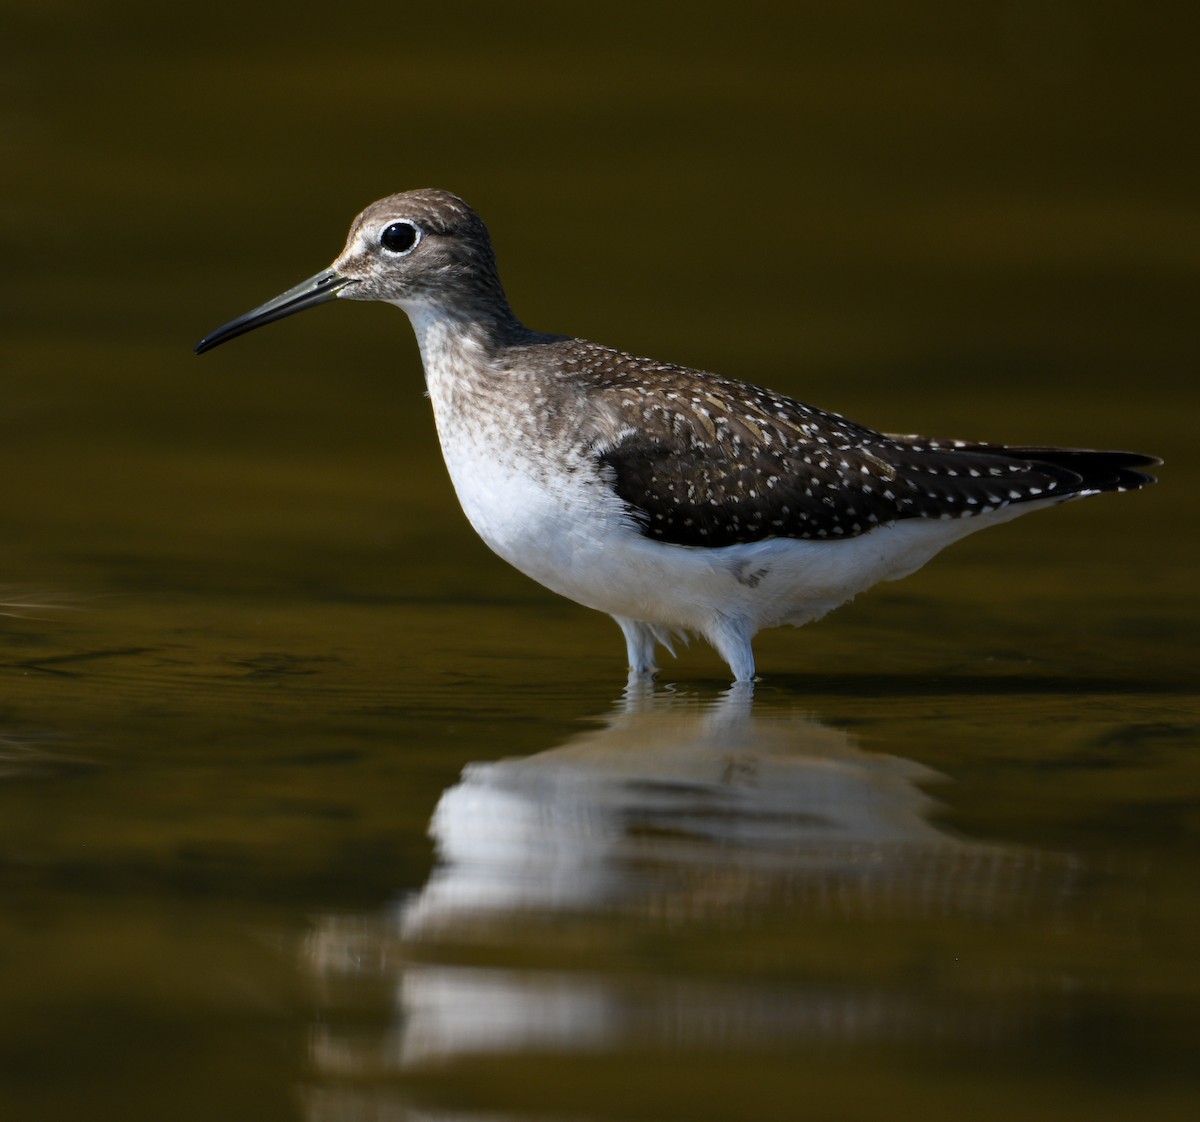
(728, 638)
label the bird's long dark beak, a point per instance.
(308, 294)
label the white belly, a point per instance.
(572, 534)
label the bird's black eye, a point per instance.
(399, 237)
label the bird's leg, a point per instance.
(731, 641)
(639, 641)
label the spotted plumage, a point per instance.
(707, 461)
(674, 499)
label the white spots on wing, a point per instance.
(699, 459)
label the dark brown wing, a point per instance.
(702, 460)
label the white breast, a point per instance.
(539, 505)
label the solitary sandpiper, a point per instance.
(673, 499)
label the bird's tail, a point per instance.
(1097, 471)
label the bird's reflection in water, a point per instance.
(672, 787)
(691, 826)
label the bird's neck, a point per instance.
(472, 381)
(458, 335)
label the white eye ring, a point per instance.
(401, 238)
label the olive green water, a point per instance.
(311, 809)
